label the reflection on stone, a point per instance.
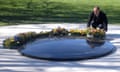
(95, 43)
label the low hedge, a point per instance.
(21, 39)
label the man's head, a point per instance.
(96, 10)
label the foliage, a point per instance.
(59, 32)
(43, 34)
(19, 39)
(22, 38)
(78, 32)
(95, 33)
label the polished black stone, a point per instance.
(67, 49)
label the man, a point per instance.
(97, 19)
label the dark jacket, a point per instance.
(100, 21)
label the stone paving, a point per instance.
(12, 61)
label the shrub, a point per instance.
(23, 38)
(59, 32)
(96, 33)
(19, 40)
(78, 32)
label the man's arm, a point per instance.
(90, 19)
(105, 22)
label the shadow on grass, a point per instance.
(53, 12)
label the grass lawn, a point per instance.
(37, 11)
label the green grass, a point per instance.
(37, 11)
(3, 23)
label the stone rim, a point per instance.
(70, 59)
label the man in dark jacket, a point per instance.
(98, 19)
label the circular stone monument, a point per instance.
(62, 49)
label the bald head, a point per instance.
(96, 10)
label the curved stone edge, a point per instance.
(75, 59)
